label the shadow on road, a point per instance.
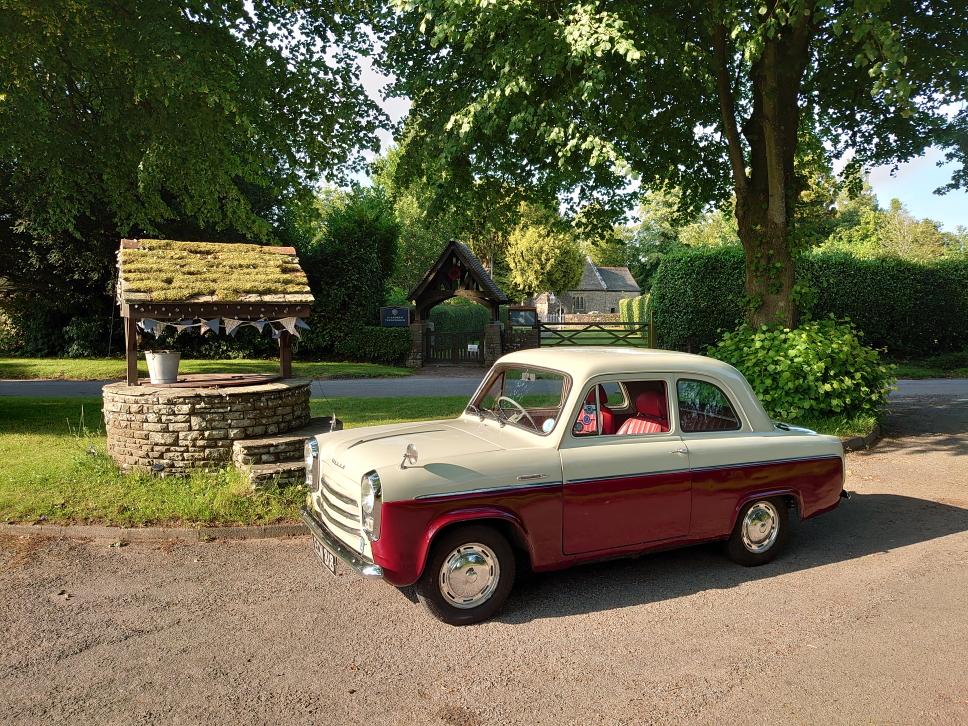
(927, 424)
(863, 526)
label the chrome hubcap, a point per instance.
(469, 575)
(760, 527)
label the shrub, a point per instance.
(462, 317)
(388, 346)
(821, 368)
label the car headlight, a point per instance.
(311, 453)
(371, 504)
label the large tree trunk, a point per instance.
(764, 179)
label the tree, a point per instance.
(177, 119)
(543, 258)
(349, 264)
(712, 98)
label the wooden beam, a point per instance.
(131, 350)
(285, 354)
(235, 310)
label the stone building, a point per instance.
(598, 293)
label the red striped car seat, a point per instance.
(651, 417)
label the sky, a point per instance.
(914, 183)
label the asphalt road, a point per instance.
(863, 620)
(422, 385)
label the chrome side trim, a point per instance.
(341, 497)
(627, 476)
(363, 566)
(772, 461)
(490, 490)
(529, 477)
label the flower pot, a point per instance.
(163, 365)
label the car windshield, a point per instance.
(529, 398)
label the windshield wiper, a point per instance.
(475, 410)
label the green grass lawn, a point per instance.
(47, 472)
(90, 369)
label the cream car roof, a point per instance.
(583, 364)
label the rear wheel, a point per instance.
(468, 575)
(761, 531)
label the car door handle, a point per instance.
(680, 451)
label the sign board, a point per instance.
(522, 317)
(394, 317)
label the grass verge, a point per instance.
(48, 471)
(94, 369)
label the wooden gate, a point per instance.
(453, 347)
(635, 334)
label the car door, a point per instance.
(624, 489)
(723, 452)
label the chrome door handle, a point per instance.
(680, 451)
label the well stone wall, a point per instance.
(186, 428)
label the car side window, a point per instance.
(704, 407)
(621, 408)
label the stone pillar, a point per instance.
(415, 357)
(492, 343)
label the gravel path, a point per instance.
(863, 620)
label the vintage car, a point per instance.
(565, 456)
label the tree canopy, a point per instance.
(716, 99)
(135, 112)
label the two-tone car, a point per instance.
(565, 456)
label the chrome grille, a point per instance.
(338, 509)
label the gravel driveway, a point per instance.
(863, 620)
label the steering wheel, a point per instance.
(519, 407)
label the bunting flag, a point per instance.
(231, 326)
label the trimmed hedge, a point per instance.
(370, 344)
(909, 308)
(460, 318)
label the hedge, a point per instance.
(370, 344)
(909, 308)
(460, 318)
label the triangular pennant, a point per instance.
(289, 324)
(147, 324)
(232, 326)
(212, 325)
(300, 323)
(260, 324)
(276, 332)
(159, 329)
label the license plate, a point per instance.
(327, 557)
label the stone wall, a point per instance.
(185, 428)
(593, 318)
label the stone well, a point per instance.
(186, 428)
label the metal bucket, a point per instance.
(163, 365)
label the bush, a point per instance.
(464, 317)
(909, 308)
(821, 368)
(387, 346)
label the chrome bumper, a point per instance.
(358, 564)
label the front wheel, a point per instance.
(468, 575)
(761, 531)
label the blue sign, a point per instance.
(391, 317)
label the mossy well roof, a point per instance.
(154, 270)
